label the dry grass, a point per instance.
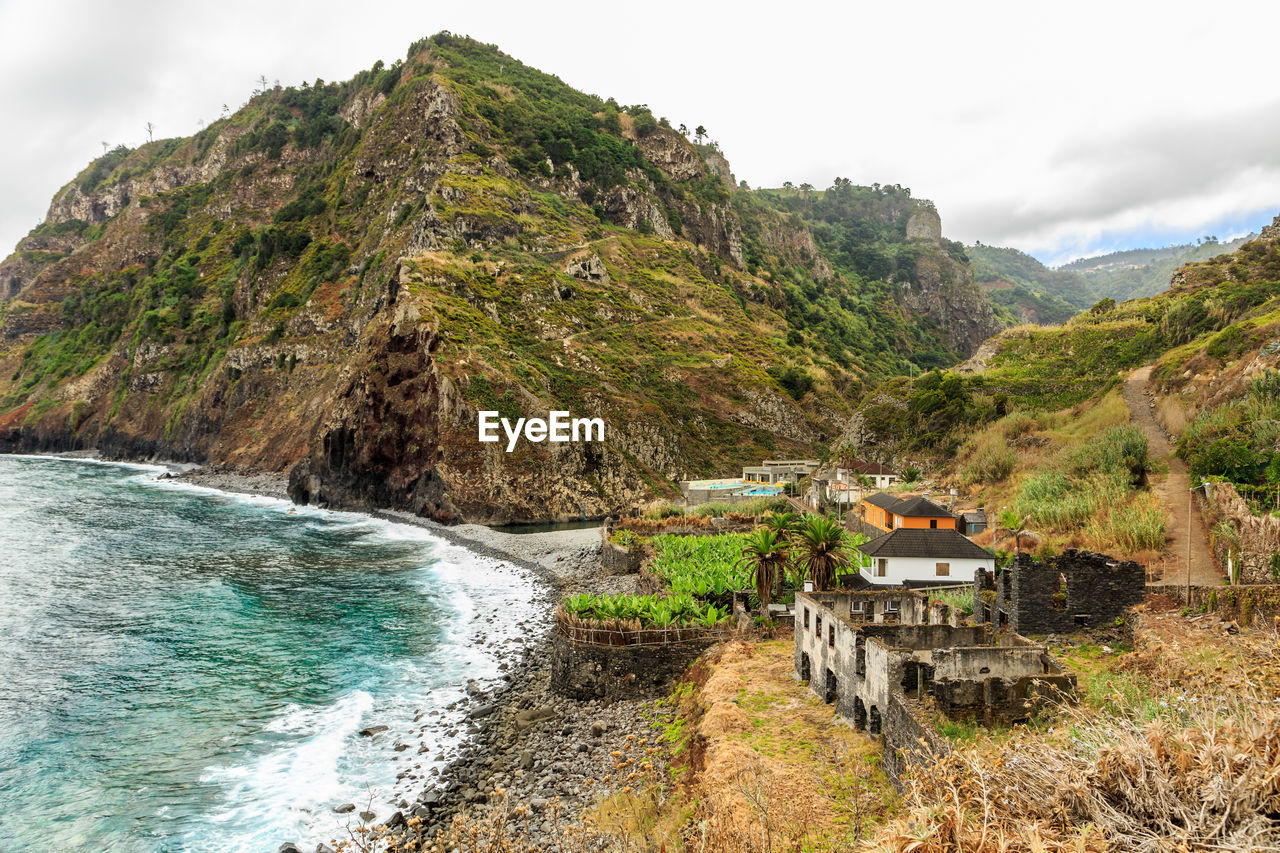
(776, 771)
(1175, 746)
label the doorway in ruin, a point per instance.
(804, 666)
(859, 714)
(829, 694)
(911, 679)
(873, 721)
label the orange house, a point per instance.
(917, 513)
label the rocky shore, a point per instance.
(528, 745)
(519, 743)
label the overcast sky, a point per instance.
(1061, 129)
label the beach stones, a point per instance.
(373, 730)
(345, 808)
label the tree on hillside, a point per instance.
(684, 129)
(765, 554)
(699, 132)
(823, 549)
(785, 525)
(150, 131)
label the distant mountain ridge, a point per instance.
(1138, 273)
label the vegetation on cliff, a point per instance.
(335, 277)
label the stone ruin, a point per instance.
(879, 674)
(1057, 595)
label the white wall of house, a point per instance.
(901, 569)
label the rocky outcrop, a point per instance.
(944, 291)
(380, 446)
(924, 224)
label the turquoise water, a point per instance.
(182, 669)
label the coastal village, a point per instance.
(910, 618)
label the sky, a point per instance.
(1064, 130)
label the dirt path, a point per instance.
(1174, 493)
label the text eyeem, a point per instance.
(558, 426)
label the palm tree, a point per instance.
(785, 525)
(1010, 521)
(765, 554)
(824, 549)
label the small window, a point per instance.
(806, 619)
(891, 606)
(944, 570)
(817, 625)
(933, 524)
(897, 521)
(882, 566)
(857, 608)
(831, 637)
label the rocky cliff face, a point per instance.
(334, 281)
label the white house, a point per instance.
(880, 476)
(922, 557)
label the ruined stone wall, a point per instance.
(1098, 591)
(910, 745)
(585, 671)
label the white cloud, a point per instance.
(1052, 128)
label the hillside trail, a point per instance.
(1174, 493)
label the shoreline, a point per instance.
(543, 750)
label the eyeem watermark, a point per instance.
(557, 427)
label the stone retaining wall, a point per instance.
(1257, 537)
(616, 560)
(1256, 604)
(909, 745)
(586, 671)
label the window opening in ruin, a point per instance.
(831, 637)
(860, 660)
(1081, 619)
(817, 625)
(806, 619)
(1060, 594)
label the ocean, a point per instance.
(187, 670)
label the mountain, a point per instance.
(1228, 303)
(1216, 312)
(334, 280)
(1135, 273)
(1024, 290)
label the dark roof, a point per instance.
(868, 467)
(910, 542)
(884, 500)
(976, 516)
(919, 507)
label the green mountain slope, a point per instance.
(1025, 290)
(333, 281)
(1217, 311)
(1136, 273)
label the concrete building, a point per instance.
(777, 471)
(863, 666)
(909, 556)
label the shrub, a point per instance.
(988, 461)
